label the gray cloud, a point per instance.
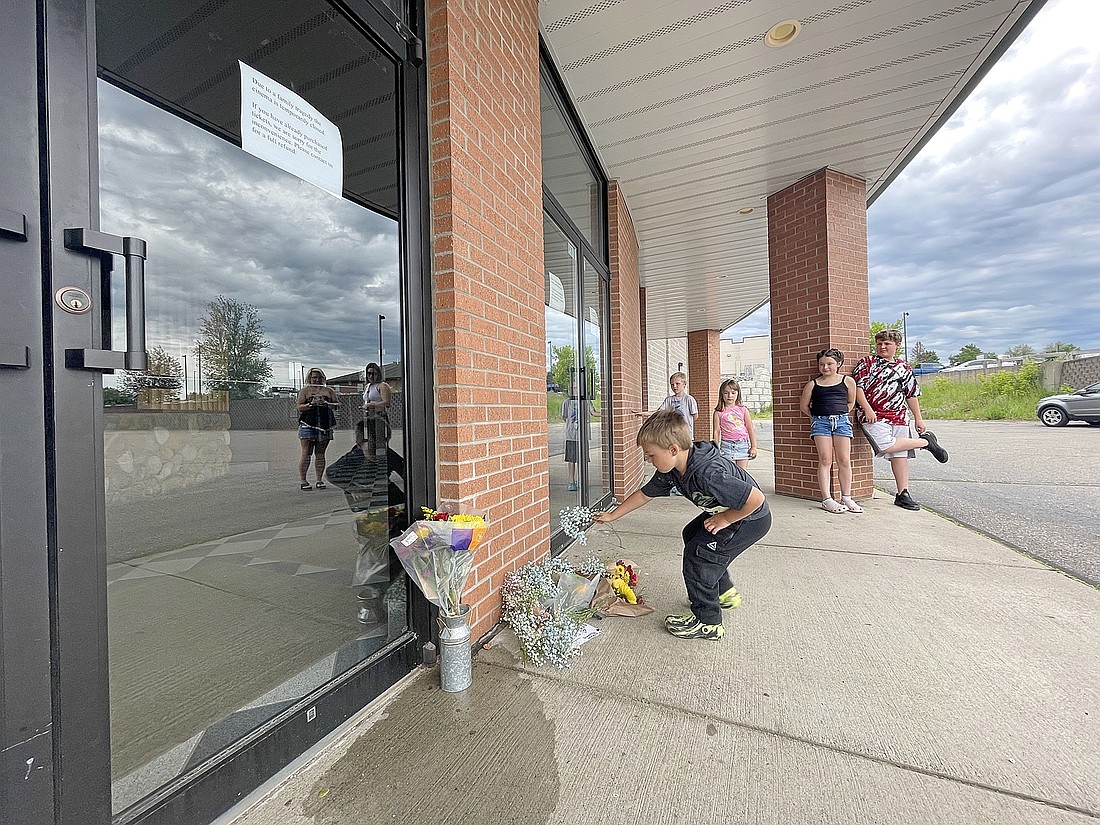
(318, 268)
(991, 234)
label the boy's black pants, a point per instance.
(706, 557)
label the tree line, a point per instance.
(918, 354)
(229, 358)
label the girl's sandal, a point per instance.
(849, 502)
(831, 505)
(321, 485)
(306, 487)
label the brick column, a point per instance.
(704, 370)
(627, 348)
(490, 344)
(817, 251)
(643, 342)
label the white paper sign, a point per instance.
(280, 127)
(556, 298)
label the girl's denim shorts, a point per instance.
(735, 450)
(830, 425)
(308, 433)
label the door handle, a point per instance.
(13, 224)
(132, 251)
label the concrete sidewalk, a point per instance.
(890, 667)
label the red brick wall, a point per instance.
(643, 343)
(817, 250)
(486, 210)
(627, 330)
(704, 370)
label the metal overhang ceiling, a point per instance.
(697, 118)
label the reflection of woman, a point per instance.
(316, 420)
(376, 403)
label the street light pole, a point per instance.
(381, 353)
(905, 336)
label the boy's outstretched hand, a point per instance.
(604, 518)
(719, 521)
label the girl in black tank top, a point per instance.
(827, 401)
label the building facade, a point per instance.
(205, 201)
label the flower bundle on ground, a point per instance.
(438, 553)
(545, 604)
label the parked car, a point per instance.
(1083, 405)
(927, 368)
(552, 387)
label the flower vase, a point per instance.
(455, 658)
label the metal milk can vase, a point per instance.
(455, 661)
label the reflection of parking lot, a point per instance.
(231, 598)
(210, 640)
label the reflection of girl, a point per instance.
(316, 420)
(376, 403)
(571, 415)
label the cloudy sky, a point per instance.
(319, 269)
(992, 234)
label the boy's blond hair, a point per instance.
(889, 335)
(663, 429)
(682, 376)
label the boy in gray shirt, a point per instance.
(735, 516)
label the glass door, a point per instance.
(564, 379)
(231, 391)
(596, 382)
(576, 375)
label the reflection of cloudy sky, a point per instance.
(319, 269)
(991, 234)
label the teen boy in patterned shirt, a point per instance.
(886, 392)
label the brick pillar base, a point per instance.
(817, 250)
(704, 369)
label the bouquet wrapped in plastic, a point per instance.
(438, 553)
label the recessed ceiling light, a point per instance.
(745, 210)
(782, 34)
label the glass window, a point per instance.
(597, 381)
(563, 378)
(567, 174)
(241, 577)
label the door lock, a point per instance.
(73, 299)
(133, 251)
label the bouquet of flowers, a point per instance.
(545, 603)
(438, 553)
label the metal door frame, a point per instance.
(27, 752)
(54, 687)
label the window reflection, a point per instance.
(562, 370)
(566, 173)
(232, 593)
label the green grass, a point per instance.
(1002, 396)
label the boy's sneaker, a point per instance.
(681, 621)
(903, 499)
(697, 630)
(938, 452)
(730, 600)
